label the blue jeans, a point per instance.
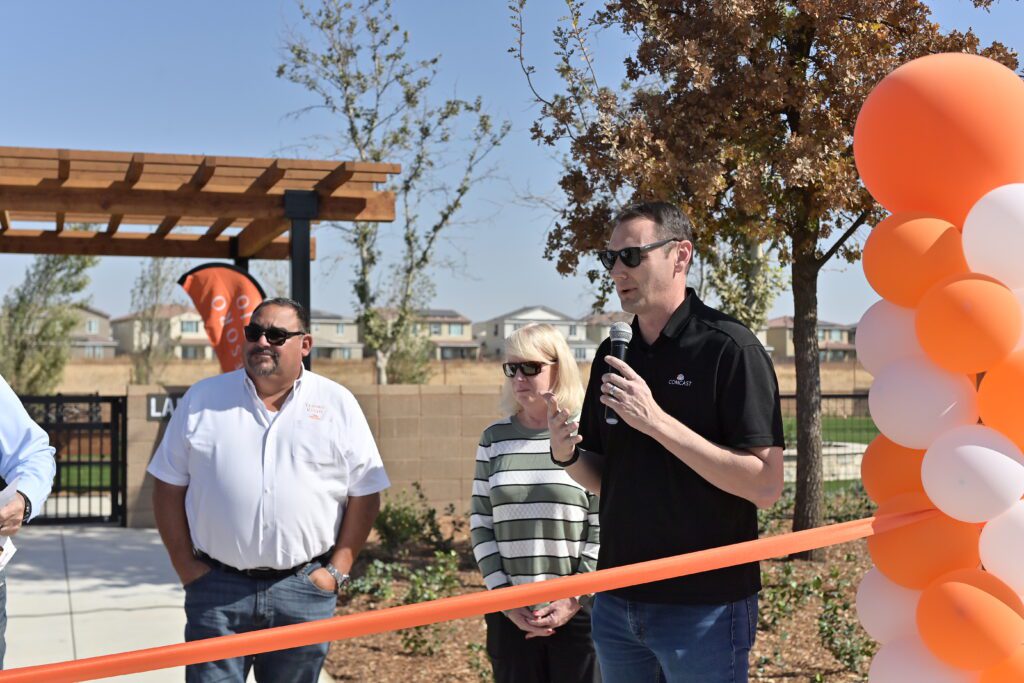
(638, 642)
(3, 616)
(220, 603)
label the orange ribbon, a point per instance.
(459, 607)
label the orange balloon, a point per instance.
(968, 323)
(915, 555)
(939, 132)
(1007, 671)
(889, 469)
(969, 619)
(1001, 397)
(907, 253)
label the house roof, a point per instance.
(516, 313)
(786, 321)
(608, 317)
(318, 314)
(94, 311)
(429, 315)
(162, 311)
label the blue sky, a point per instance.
(195, 76)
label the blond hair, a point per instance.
(543, 343)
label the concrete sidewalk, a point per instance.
(84, 591)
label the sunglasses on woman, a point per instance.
(631, 256)
(530, 368)
(275, 335)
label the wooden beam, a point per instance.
(203, 174)
(365, 206)
(135, 168)
(114, 224)
(258, 234)
(129, 244)
(5, 221)
(266, 180)
(166, 225)
(60, 221)
(333, 180)
(219, 226)
(63, 165)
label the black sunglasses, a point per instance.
(530, 368)
(631, 256)
(275, 335)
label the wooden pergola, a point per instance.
(181, 205)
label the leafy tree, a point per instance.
(37, 318)
(156, 286)
(743, 114)
(355, 63)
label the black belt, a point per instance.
(261, 573)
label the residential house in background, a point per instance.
(491, 334)
(335, 337)
(599, 325)
(836, 342)
(182, 324)
(449, 333)
(91, 337)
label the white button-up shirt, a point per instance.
(267, 489)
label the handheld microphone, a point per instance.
(621, 334)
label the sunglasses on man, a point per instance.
(631, 256)
(275, 335)
(529, 368)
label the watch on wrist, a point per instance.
(28, 508)
(339, 578)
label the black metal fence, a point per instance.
(89, 434)
(846, 430)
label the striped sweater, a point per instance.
(529, 520)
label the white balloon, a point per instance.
(993, 235)
(907, 660)
(886, 334)
(887, 611)
(914, 401)
(973, 473)
(1000, 546)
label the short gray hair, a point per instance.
(671, 221)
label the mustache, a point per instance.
(263, 352)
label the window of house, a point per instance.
(579, 354)
(821, 335)
(435, 329)
(572, 330)
(495, 329)
(339, 328)
(191, 352)
(316, 327)
(188, 326)
(346, 354)
(455, 329)
(92, 326)
(836, 335)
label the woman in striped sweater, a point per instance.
(530, 521)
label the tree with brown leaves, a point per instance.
(741, 112)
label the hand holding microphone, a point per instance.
(621, 334)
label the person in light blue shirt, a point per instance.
(26, 456)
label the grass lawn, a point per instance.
(833, 428)
(84, 476)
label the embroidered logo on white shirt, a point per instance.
(314, 411)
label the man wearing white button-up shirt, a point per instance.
(268, 483)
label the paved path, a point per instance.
(83, 591)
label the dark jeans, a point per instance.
(221, 603)
(640, 642)
(565, 657)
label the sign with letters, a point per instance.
(160, 407)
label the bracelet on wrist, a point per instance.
(565, 463)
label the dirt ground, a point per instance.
(796, 641)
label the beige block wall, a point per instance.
(425, 433)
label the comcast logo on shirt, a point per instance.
(680, 381)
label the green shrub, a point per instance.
(438, 579)
(377, 582)
(405, 519)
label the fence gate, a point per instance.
(89, 434)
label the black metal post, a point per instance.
(301, 206)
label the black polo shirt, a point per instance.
(710, 372)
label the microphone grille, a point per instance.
(621, 332)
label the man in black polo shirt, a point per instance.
(698, 448)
